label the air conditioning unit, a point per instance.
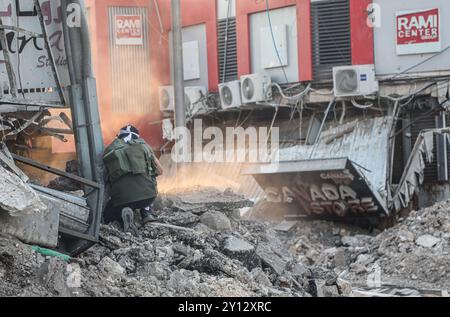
(256, 88)
(230, 94)
(352, 81)
(195, 100)
(166, 98)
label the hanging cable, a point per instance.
(295, 97)
(344, 109)
(359, 106)
(316, 141)
(421, 63)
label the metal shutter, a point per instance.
(331, 39)
(130, 68)
(228, 66)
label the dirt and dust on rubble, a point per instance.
(204, 247)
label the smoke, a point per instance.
(194, 175)
(132, 97)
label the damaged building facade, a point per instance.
(358, 88)
(48, 100)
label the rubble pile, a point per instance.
(412, 255)
(202, 247)
(415, 253)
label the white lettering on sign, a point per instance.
(323, 199)
(418, 32)
(129, 30)
(27, 52)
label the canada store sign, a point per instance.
(418, 32)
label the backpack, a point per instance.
(123, 158)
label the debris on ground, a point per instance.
(412, 255)
(201, 247)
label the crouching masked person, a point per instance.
(132, 169)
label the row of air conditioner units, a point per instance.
(194, 98)
(349, 81)
(250, 89)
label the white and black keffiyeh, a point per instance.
(129, 133)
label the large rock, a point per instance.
(270, 258)
(427, 241)
(236, 245)
(216, 221)
(110, 268)
(342, 258)
(240, 250)
(355, 241)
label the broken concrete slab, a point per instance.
(342, 258)
(236, 245)
(7, 160)
(427, 241)
(110, 268)
(16, 196)
(23, 214)
(270, 258)
(406, 236)
(216, 220)
(241, 250)
(36, 228)
(286, 226)
(355, 241)
(181, 218)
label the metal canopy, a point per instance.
(333, 187)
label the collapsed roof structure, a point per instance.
(46, 73)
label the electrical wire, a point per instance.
(292, 98)
(316, 141)
(274, 41)
(344, 110)
(359, 106)
(269, 134)
(422, 62)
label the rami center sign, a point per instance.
(418, 32)
(129, 30)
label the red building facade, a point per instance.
(201, 12)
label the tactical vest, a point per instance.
(123, 158)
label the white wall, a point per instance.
(195, 33)
(284, 16)
(387, 61)
(222, 9)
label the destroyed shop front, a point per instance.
(44, 93)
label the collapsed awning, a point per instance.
(334, 187)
